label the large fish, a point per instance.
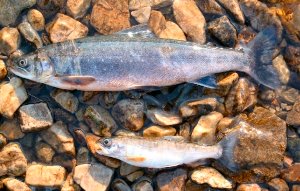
(164, 152)
(124, 61)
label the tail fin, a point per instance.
(260, 51)
(228, 144)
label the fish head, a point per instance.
(36, 66)
(109, 147)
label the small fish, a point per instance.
(166, 151)
(128, 60)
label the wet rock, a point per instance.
(10, 9)
(11, 130)
(190, 19)
(108, 17)
(66, 100)
(137, 4)
(83, 156)
(249, 187)
(164, 29)
(292, 57)
(41, 175)
(36, 19)
(211, 177)
(232, 6)
(9, 40)
(13, 162)
(108, 99)
(172, 180)
(143, 184)
(163, 118)
(127, 169)
(64, 28)
(223, 124)
(70, 185)
(158, 131)
(259, 15)
(294, 148)
(282, 69)
(120, 185)
(260, 133)
(210, 9)
(293, 116)
(296, 18)
(44, 152)
(296, 188)
(3, 70)
(91, 141)
(242, 96)
(205, 130)
(278, 184)
(198, 106)
(289, 95)
(77, 8)
(35, 117)
(123, 132)
(223, 30)
(3, 141)
(135, 175)
(13, 95)
(30, 34)
(66, 161)
(142, 15)
(129, 113)
(100, 121)
(58, 137)
(13, 184)
(292, 174)
(93, 176)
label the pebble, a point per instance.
(223, 30)
(77, 8)
(210, 9)
(91, 141)
(127, 169)
(108, 17)
(46, 176)
(83, 156)
(64, 160)
(13, 184)
(282, 69)
(249, 187)
(44, 152)
(100, 121)
(172, 180)
(194, 107)
(277, 184)
(190, 20)
(10, 9)
(9, 40)
(36, 19)
(138, 4)
(11, 130)
(59, 138)
(92, 177)
(292, 174)
(158, 131)
(35, 117)
(296, 17)
(164, 29)
(13, 162)
(292, 57)
(289, 95)
(135, 175)
(3, 141)
(69, 184)
(142, 15)
(64, 28)
(205, 130)
(66, 100)
(129, 113)
(13, 95)
(163, 118)
(30, 34)
(232, 6)
(3, 70)
(120, 185)
(212, 177)
(241, 96)
(293, 116)
(293, 147)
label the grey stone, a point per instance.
(30, 34)
(36, 19)
(66, 100)
(44, 152)
(210, 9)
(232, 6)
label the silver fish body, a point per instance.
(121, 62)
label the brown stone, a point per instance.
(13, 184)
(172, 180)
(77, 8)
(249, 187)
(36, 19)
(9, 40)
(158, 131)
(293, 116)
(11, 129)
(108, 17)
(277, 184)
(3, 70)
(292, 174)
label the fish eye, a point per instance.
(22, 63)
(106, 142)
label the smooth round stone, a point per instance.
(36, 19)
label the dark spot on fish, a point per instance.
(78, 80)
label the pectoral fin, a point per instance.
(78, 80)
(208, 81)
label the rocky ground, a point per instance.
(41, 151)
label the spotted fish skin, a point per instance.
(121, 62)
